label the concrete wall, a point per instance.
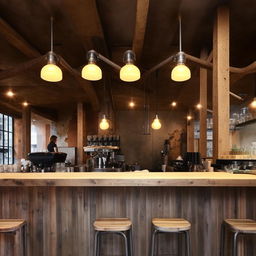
(145, 149)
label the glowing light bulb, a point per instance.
(129, 73)
(10, 93)
(253, 103)
(199, 106)
(189, 117)
(131, 104)
(91, 72)
(51, 73)
(180, 73)
(104, 124)
(25, 103)
(156, 124)
(174, 104)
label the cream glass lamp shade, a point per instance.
(156, 125)
(91, 72)
(253, 103)
(51, 73)
(104, 124)
(129, 73)
(180, 73)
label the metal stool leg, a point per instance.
(126, 243)
(234, 247)
(154, 232)
(187, 236)
(24, 240)
(130, 243)
(96, 243)
(222, 240)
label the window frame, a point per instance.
(5, 148)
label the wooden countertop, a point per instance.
(130, 179)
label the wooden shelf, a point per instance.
(246, 123)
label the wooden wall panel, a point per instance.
(60, 219)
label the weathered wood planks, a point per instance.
(60, 219)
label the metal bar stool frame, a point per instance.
(186, 235)
(23, 232)
(235, 235)
(127, 235)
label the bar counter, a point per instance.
(129, 179)
(61, 207)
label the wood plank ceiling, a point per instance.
(149, 27)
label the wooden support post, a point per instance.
(203, 110)
(81, 132)
(26, 131)
(190, 134)
(221, 83)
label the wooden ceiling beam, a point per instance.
(16, 40)
(140, 27)
(47, 113)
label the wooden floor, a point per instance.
(60, 219)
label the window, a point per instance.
(6, 139)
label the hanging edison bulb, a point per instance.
(199, 106)
(104, 124)
(174, 104)
(156, 124)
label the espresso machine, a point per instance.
(104, 159)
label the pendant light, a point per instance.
(104, 123)
(91, 71)
(156, 124)
(51, 72)
(180, 72)
(129, 72)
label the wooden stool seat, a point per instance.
(171, 224)
(11, 225)
(112, 224)
(242, 225)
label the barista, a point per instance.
(52, 146)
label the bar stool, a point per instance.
(237, 227)
(119, 226)
(12, 226)
(170, 225)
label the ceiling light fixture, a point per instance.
(199, 106)
(174, 104)
(51, 72)
(156, 124)
(131, 103)
(129, 72)
(104, 124)
(189, 117)
(91, 71)
(180, 72)
(10, 93)
(25, 103)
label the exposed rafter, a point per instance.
(140, 27)
(17, 40)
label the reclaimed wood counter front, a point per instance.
(61, 207)
(129, 179)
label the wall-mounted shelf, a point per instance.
(246, 123)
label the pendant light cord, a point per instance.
(180, 39)
(156, 91)
(51, 34)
